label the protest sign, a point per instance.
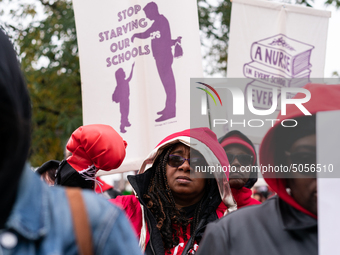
(273, 45)
(136, 60)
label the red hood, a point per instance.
(207, 137)
(323, 98)
(204, 141)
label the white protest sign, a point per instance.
(136, 60)
(273, 45)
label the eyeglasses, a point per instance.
(305, 162)
(244, 159)
(302, 157)
(176, 161)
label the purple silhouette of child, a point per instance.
(121, 95)
(161, 44)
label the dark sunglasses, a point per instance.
(176, 161)
(302, 157)
(305, 162)
(244, 159)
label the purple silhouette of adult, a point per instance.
(121, 95)
(161, 44)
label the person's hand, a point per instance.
(179, 39)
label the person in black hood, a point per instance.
(47, 171)
(15, 128)
(36, 218)
(241, 154)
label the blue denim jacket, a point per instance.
(40, 223)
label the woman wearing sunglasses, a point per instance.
(242, 156)
(173, 202)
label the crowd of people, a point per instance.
(174, 209)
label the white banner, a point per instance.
(136, 60)
(273, 45)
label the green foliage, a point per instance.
(214, 24)
(335, 3)
(304, 2)
(47, 47)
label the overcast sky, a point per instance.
(333, 40)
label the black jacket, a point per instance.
(140, 184)
(272, 228)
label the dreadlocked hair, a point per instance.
(171, 221)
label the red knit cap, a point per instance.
(237, 139)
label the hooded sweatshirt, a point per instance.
(204, 141)
(323, 98)
(15, 129)
(282, 226)
(242, 196)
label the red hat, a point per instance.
(237, 139)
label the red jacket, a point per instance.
(203, 140)
(243, 197)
